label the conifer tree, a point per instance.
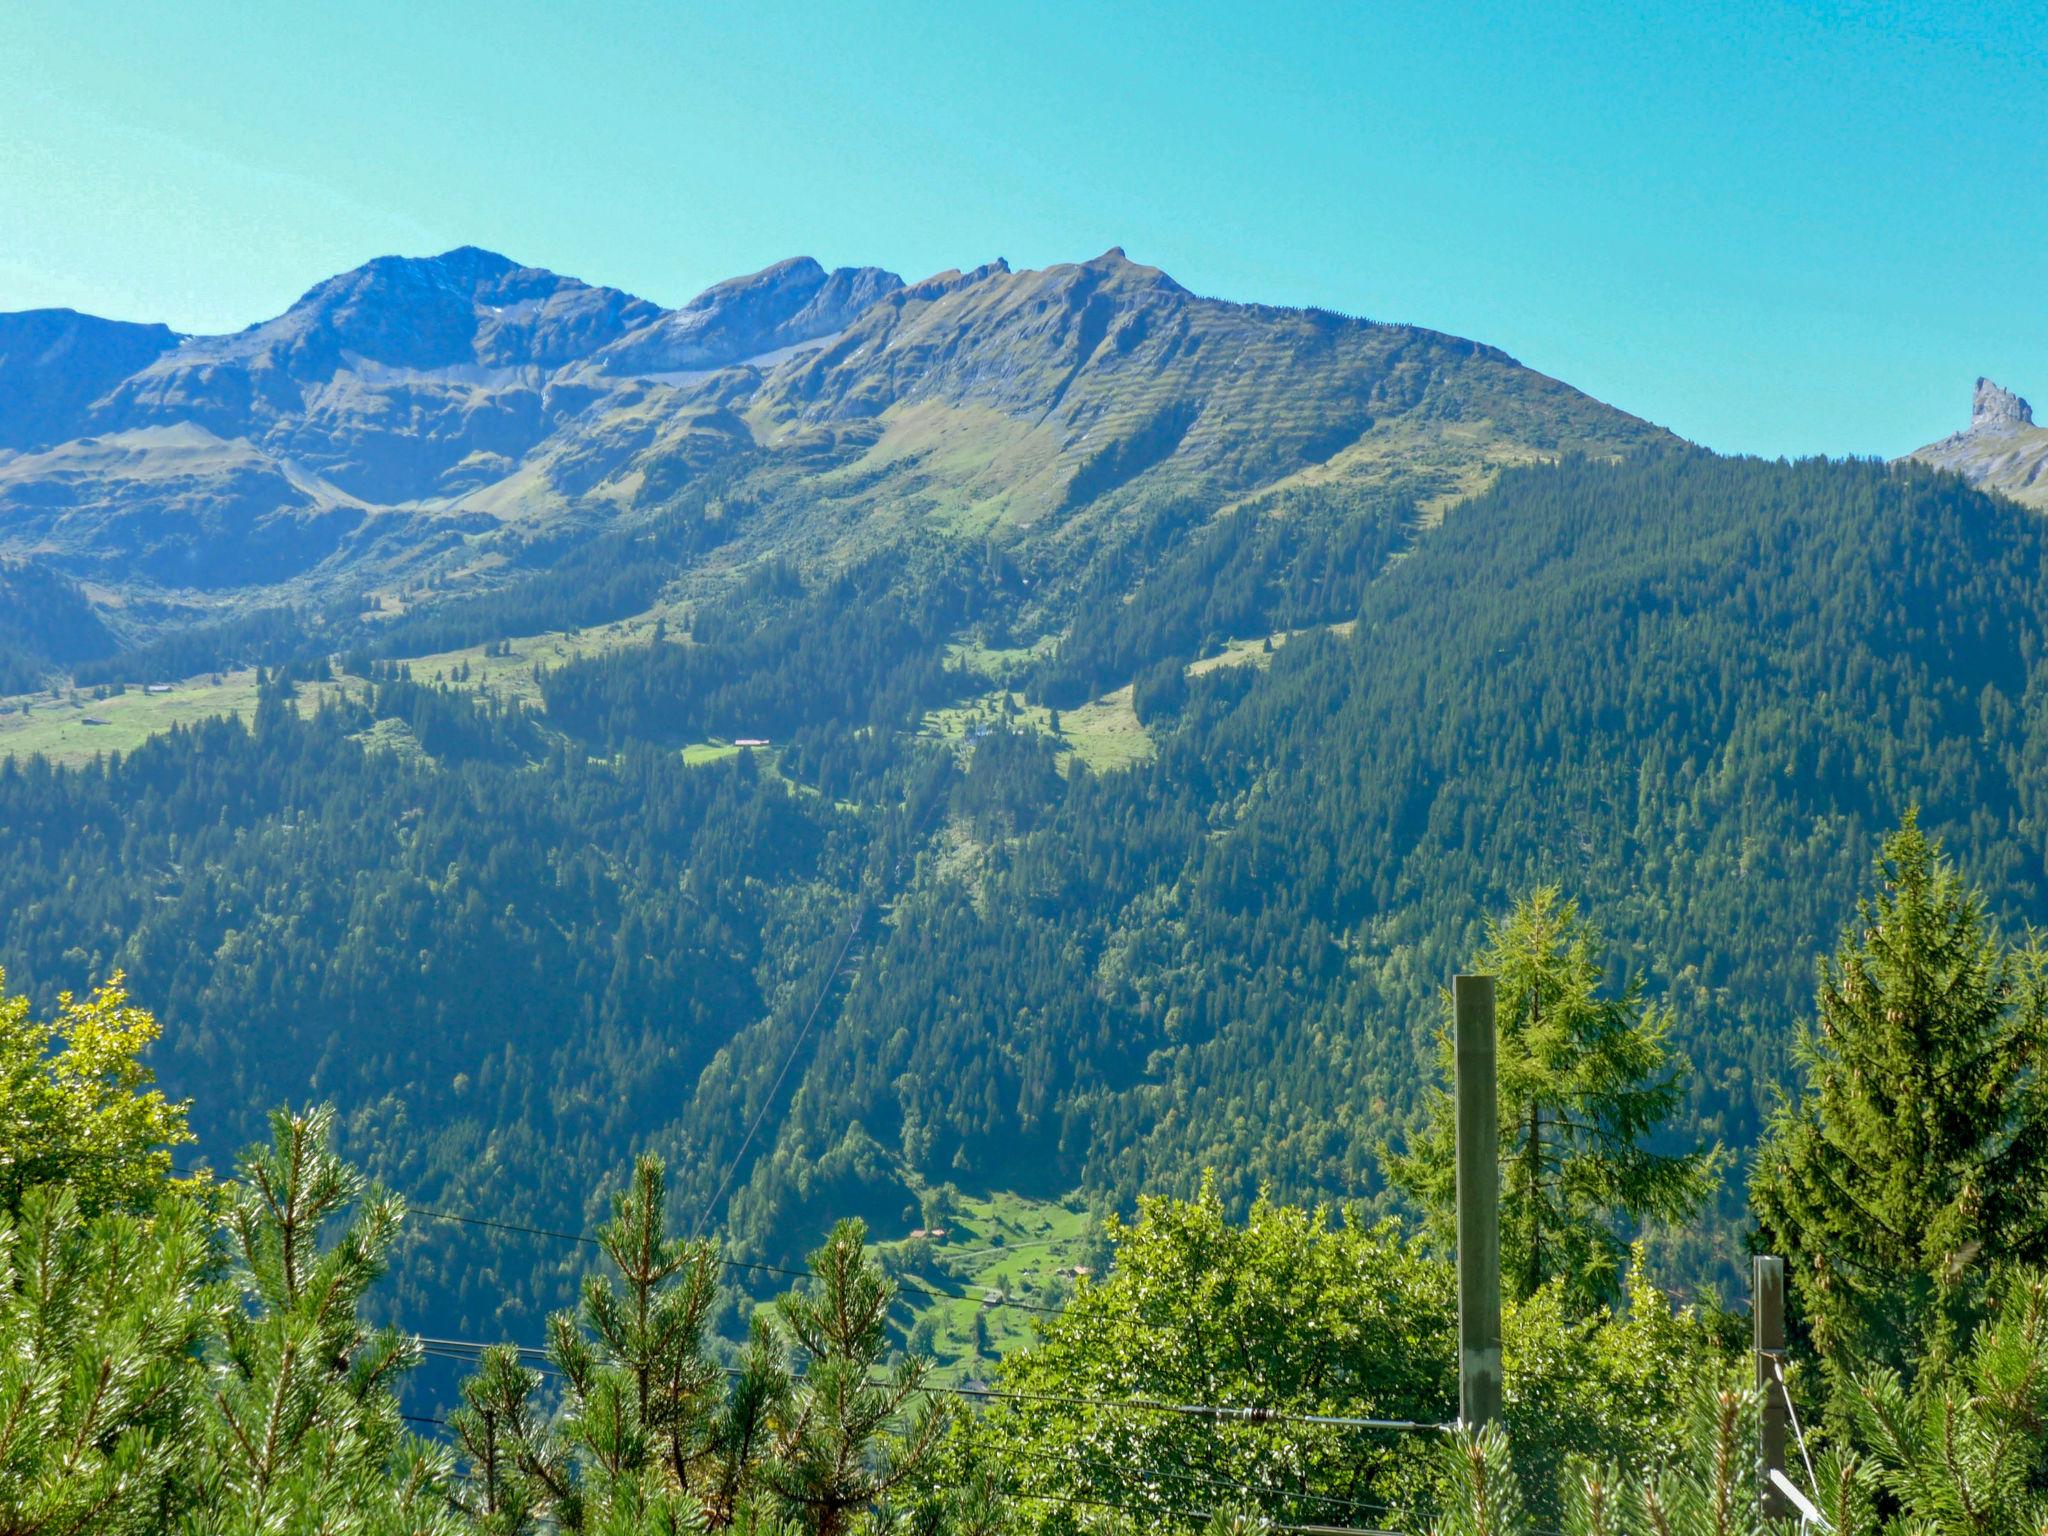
(643, 1390)
(1916, 1153)
(652, 1439)
(1708, 1489)
(1484, 1495)
(100, 1323)
(1585, 1082)
(834, 1455)
(518, 1470)
(1965, 1451)
(302, 1429)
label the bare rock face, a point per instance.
(1992, 406)
(2002, 450)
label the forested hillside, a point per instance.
(1691, 690)
(191, 1353)
(499, 957)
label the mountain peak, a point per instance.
(55, 362)
(2001, 449)
(1992, 406)
(1115, 265)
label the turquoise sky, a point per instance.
(1775, 228)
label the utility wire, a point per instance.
(1222, 1413)
(1084, 1464)
(788, 1061)
(1203, 1514)
(1082, 1499)
(817, 1006)
(492, 1224)
(1778, 1370)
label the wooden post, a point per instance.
(1767, 1330)
(1479, 1375)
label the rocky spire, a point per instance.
(1995, 407)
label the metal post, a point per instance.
(1479, 1375)
(1767, 1330)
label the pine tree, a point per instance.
(302, 1429)
(100, 1323)
(1585, 1082)
(644, 1391)
(741, 1432)
(1708, 1489)
(518, 1470)
(1917, 1151)
(652, 1437)
(1484, 1497)
(834, 1455)
(1965, 1452)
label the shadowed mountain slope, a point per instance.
(55, 362)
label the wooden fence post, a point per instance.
(1767, 1330)
(1479, 1372)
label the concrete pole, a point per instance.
(1767, 1331)
(1479, 1374)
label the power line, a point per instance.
(493, 1224)
(1224, 1413)
(467, 1349)
(1204, 1514)
(817, 1006)
(1146, 1476)
(1098, 1465)
(788, 1061)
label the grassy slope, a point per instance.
(2013, 463)
(1104, 733)
(997, 1245)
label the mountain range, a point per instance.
(427, 413)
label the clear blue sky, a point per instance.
(1776, 228)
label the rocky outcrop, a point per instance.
(1996, 408)
(2002, 450)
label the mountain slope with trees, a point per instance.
(1687, 690)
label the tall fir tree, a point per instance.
(1916, 1153)
(1586, 1082)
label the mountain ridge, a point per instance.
(414, 408)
